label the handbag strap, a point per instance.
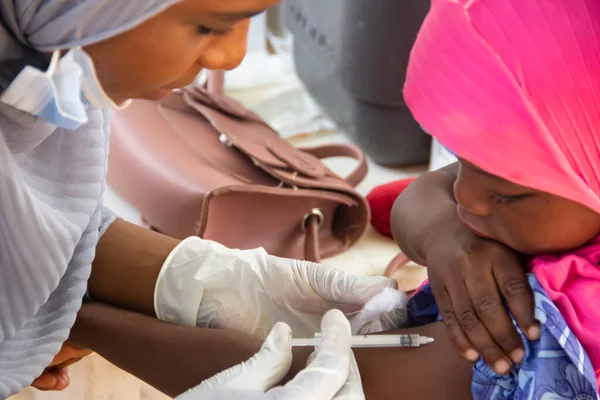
(343, 150)
(216, 85)
(312, 252)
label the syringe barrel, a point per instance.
(382, 340)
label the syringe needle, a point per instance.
(423, 340)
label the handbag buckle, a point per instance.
(315, 212)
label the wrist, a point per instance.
(194, 273)
(127, 263)
(178, 291)
(84, 324)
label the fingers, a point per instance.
(56, 376)
(491, 311)
(261, 372)
(52, 379)
(513, 284)
(473, 309)
(385, 311)
(449, 319)
(328, 371)
(494, 316)
(353, 389)
(46, 381)
(347, 291)
(69, 355)
(478, 335)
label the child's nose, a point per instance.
(471, 198)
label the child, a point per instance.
(511, 88)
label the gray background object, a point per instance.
(352, 55)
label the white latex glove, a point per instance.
(203, 283)
(331, 371)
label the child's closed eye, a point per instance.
(509, 199)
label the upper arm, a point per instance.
(450, 171)
(435, 371)
(416, 210)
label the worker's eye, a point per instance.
(205, 30)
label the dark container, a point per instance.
(352, 56)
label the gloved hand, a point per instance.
(331, 371)
(205, 284)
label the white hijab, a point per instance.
(51, 184)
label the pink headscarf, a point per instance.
(513, 86)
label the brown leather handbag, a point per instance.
(200, 163)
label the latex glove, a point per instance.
(203, 283)
(331, 371)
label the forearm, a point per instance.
(172, 358)
(421, 208)
(128, 260)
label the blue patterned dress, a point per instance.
(556, 367)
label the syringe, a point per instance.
(372, 341)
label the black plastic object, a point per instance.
(352, 56)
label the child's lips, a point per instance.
(466, 219)
(479, 233)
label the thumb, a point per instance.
(54, 379)
(260, 373)
(385, 311)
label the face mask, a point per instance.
(62, 94)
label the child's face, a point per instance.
(529, 221)
(171, 49)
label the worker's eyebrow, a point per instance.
(236, 16)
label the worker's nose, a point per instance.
(226, 52)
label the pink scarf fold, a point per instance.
(513, 86)
(572, 281)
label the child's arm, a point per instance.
(468, 274)
(420, 208)
(175, 358)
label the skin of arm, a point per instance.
(174, 358)
(432, 195)
(128, 260)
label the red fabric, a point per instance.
(381, 199)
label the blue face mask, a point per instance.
(62, 94)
